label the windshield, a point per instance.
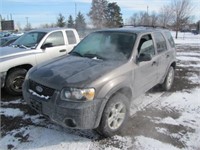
(29, 40)
(106, 45)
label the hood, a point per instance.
(12, 51)
(72, 71)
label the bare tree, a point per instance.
(134, 19)
(28, 27)
(154, 19)
(46, 25)
(165, 16)
(143, 18)
(181, 11)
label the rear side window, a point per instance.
(55, 39)
(160, 42)
(71, 37)
(170, 39)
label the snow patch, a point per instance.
(11, 112)
(151, 144)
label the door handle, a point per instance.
(62, 50)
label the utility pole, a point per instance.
(75, 11)
(27, 21)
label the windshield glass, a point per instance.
(29, 40)
(106, 45)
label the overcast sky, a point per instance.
(39, 12)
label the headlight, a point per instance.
(78, 94)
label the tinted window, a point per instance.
(71, 37)
(55, 39)
(160, 42)
(170, 39)
(146, 45)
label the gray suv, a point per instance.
(93, 86)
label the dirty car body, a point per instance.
(75, 90)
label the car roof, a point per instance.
(49, 29)
(136, 30)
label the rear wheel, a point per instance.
(15, 80)
(169, 79)
(115, 115)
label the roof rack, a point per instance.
(145, 26)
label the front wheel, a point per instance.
(115, 115)
(169, 79)
(15, 80)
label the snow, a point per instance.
(43, 135)
(11, 112)
(188, 54)
(188, 58)
(186, 38)
(51, 139)
(41, 96)
(151, 144)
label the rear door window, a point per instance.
(160, 42)
(71, 37)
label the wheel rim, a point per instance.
(17, 83)
(116, 116)
(170, 78)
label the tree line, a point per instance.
(103, 14)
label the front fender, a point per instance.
(109, 89)
(113, 86)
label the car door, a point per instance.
(163, 53)
(53, 46)
(145, 73)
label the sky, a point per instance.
(39, 12)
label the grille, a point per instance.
(40, 89)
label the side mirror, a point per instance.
(46, 45)
(144, 57)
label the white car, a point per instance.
(31, 49)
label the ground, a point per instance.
(161, 120)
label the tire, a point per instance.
(115, 115)
(169, 79)
(14, 81)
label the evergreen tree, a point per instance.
(98, 13)
(70, 22)
(80, 22)
(61, 20)
(113, 16)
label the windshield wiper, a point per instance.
(93, 56)
(23, 46)
(75, 53)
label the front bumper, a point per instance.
(79, 115)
